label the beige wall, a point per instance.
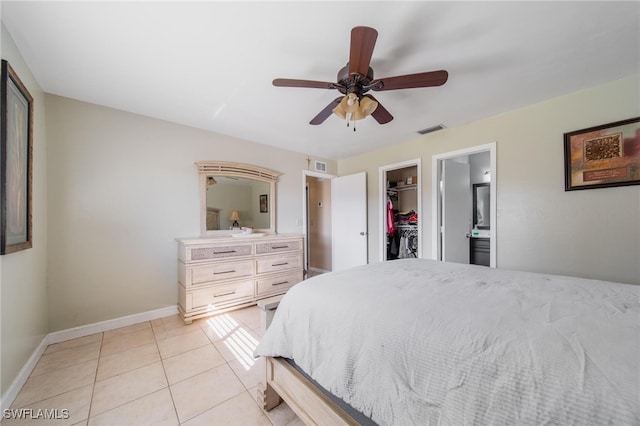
(23, 286)
(122, 188)
(591, 233)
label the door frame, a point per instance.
(436, 201)
(382, 185)
(319, 175)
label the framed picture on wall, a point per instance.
(264, 203)
(16, 153)
(603, 156)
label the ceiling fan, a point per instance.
(356, 79)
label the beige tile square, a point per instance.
(182, 343)
(170, 321)
(128, 329)
(56, 382)
(170, 330)
(250, 374)
(127, 341)
(239, 410)
(67, 357)
(188, 364)
(73, 343)
(66, 409)
(258, 332)
(154, 409)
(126, 387)
(121, 362)
(197, 394)
(249, 317)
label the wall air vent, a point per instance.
(431, 129)
(320, 166)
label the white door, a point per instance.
(349, 221)
(456, 211)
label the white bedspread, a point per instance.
(418, 342)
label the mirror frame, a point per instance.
(476, 187)
(247, 171)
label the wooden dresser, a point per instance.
(223, 273)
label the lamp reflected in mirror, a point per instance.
(235, 217)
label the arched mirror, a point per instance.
(235, 196)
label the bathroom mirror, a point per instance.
(481, 207)
(234, 196)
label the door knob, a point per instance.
(363, 233)
(467, 235)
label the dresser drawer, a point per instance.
(279, 263)
(220, 252)
(279, 284)
(218, 271)
(219, 294)
(277, 247)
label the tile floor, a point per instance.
(161, 372)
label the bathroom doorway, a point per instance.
(457, 234)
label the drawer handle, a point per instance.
(279, 264)
(224, 294)
(281, 282)
(224, 272)
(279, 247)
(224, 252)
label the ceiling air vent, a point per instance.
(431, 129)
(321, 166)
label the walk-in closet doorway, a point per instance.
(401, 210)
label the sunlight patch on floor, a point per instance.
(223, 325)
(236, 339)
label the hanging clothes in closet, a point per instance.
(408, 240)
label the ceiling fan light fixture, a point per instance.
(367, 106)
(348, 104)
(351, 109)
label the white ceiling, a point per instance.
(210, 64)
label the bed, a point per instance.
(416, 341)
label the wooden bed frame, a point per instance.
(284, 382)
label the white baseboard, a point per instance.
(74, 333)
(23, 375)
(319, 270)
(112, 324)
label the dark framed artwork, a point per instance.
(16, 165)
(264, 203)
(603, 156)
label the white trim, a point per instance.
(382, 185)
(112, 324)
(74, 333)
(23, 375)
(318, 270)
(435, 201)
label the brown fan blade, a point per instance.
(326, 112)
(363, 40)
(423, 79)
(381, 114)
(289, 82)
